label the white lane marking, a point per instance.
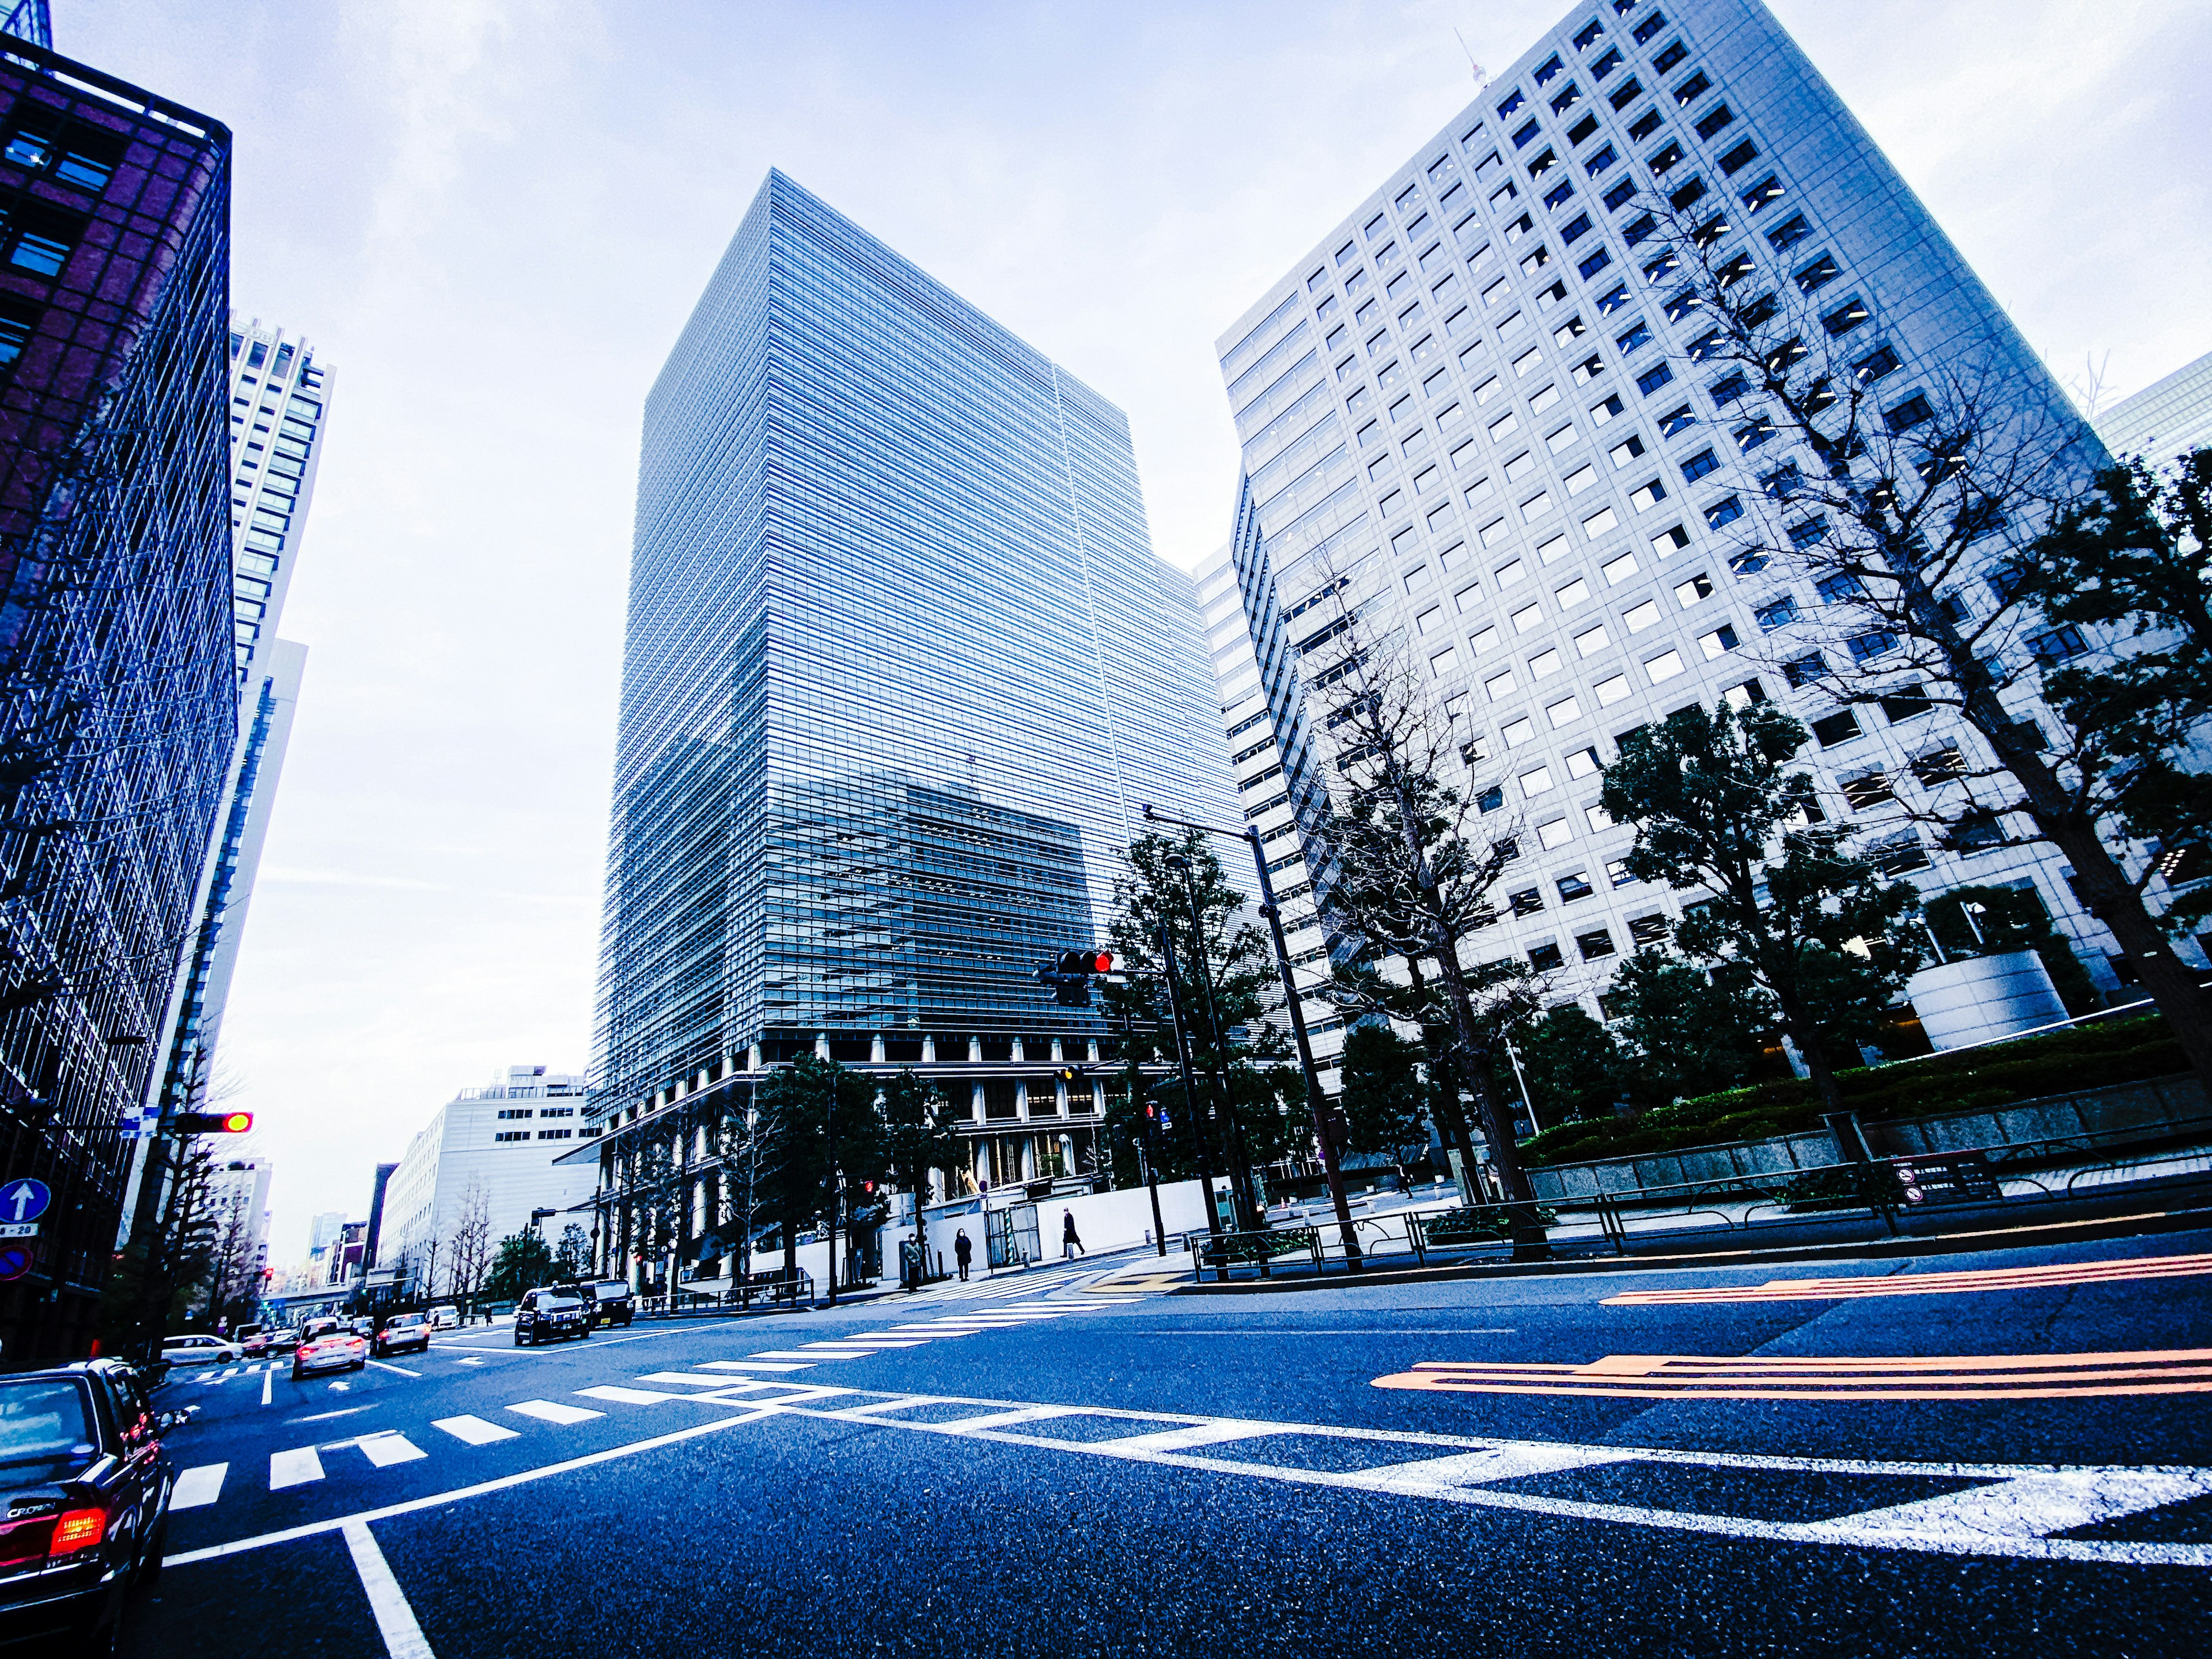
(340, 1388)
(698, 1379)
(195, 1488)
(389, 1448)
(294, 1468)
(268, 1384)
(872, 1342)
(1436, 1477)
(797, 1353)
(631, 1396)
(474, 1431)
(325, 1417)
(548, 1411)
(2042, 1501)
(751, 1365)
(1200, 1434)
(841, 1350)
(2029, 1506)
(473, 1359)
(401, 1370)
(752, 1413)
(395, 1620)
(1001, 1419)
(925, 1330)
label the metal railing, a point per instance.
(1222, 1254)
(760, 1290)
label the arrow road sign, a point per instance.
(14, 1261)
(24, 1200)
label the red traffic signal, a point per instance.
(212, 1123)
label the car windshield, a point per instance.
(608, 1292)
(42, 1417)
(403, 1319)
(559, 1304)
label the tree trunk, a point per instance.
(1530, 1240)
(1454, 1127)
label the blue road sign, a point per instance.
(25, 1199)
(14, 1260)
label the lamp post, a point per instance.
(1324, 1133)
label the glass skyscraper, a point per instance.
(901, 673)
(1475, 406)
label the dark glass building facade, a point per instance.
(901, 674)
(121, 706)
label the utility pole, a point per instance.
(1232, 1133)
(1316, 1100)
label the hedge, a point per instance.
(1976, 1079)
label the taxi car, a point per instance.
(548, 1315)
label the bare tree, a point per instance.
(1909, 502)
(471, 1252)
(1412, 863)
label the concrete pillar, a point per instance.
(821, 1045)
(1056, 1053)
(1019, 1051)
(929, 1048)
(876, 1047)
(975, 1048)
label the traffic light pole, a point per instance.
(1323, 1131)
(1189, 1099)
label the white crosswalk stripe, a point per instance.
(294, 1468)
(627, 1396)
(976, 1289)
(472, 1430)
(388, 1447)
(698, 1378)
(198, 1487)
(548, 1411)
(752, 1365)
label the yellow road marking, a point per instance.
(1959, 1377)
(1991, 1278)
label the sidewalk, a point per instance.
(2166, 1195)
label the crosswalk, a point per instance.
(983, 1290)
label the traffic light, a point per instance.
(212, 1123)
(1070, 975)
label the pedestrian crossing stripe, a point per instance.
(389, 1448)
(627, 1396)
(549, 1411)
(472, 1430)
(2048, 1276)
(198, 1487)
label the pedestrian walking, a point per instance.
(962, 1249)
(1071, 1244)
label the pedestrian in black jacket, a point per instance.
(962, 1249)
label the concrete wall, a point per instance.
(2143, 1108)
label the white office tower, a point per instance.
(483, 1165)
(2166, 419)
(1263, 795)
(1475, 409)
(279, 403)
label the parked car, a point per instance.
(403, 1333)
(444, 1318)
(339, 1350)
(283, 1339)
(86, 1488)
(610, 1300)
(549, 1316)
(200, 1350)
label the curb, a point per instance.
(2055, 1232)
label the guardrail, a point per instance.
(762, 1289)
(1223, 1253)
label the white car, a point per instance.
(200, 1350)
(445, 1318)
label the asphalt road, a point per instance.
(2019, 1460)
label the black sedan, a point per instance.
(87, 1486)
(549, 1316)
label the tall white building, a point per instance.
(238, 1201)
(1475, 409)
(1257, 763)
(2166, 418)
(501, 1140)
(279, 403)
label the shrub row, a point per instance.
(1976, 1079)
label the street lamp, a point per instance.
(1323, 1133)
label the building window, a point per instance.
(1546, 958)
(1836, 729)
(1594, 946)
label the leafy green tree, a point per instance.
(1224, 968)
(522, 1264)
(2126, 564)
(572, 1257)
(1384, 1096)
(1688, 1029)
(1971, 557)
(1718, 814)
(822, 1133)
(1574, 1067)
(919, 1136)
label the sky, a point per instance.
(490, 218)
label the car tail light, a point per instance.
(77, 1529)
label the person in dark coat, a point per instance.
(962, 1249)
(1071, 1245)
